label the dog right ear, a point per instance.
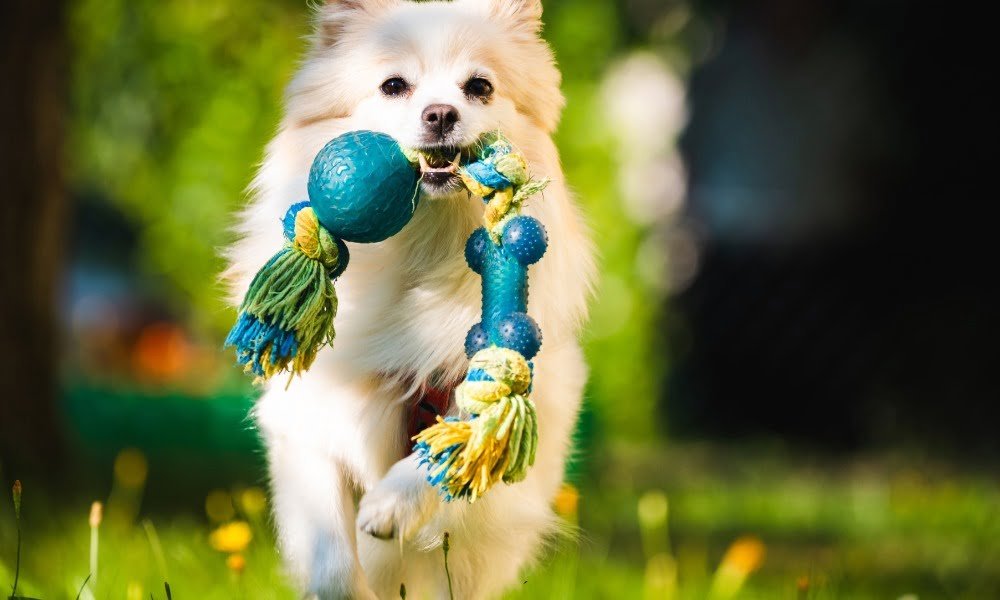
(518, 14)
(334, 16)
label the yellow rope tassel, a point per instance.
(499, 443)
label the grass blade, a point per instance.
(82, 587)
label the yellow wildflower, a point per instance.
(253, 501)
(236, 563)
(566, 501)
(231, 537)
(744, 556)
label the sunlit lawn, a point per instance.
(655, 524)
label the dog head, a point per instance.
(434, 75)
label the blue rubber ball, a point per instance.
(475, 249)
(362, 187)
(519, 332)
(526, 239)
(476, 340)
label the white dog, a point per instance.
(355, 515)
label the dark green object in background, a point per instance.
(193, 443)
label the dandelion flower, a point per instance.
(231, 537)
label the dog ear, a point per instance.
(518, 10)
(334, 16)
(519, 14)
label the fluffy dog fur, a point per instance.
(335, 436)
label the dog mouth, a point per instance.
(439, 167)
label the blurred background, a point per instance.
(793, 391)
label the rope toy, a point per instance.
(363, 188)
(466, 458)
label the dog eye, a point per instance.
(477, 87)
(394, 86)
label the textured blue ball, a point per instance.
(526, 239)
(362, 187)
(519, 332)
(475, 249)
(476, 340)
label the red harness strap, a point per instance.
(423, 409)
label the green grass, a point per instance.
(867, 528)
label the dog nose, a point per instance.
(440, 119)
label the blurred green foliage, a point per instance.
(171, 106)
(585, 36)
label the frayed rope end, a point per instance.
(287, 314)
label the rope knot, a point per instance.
(314, 240)
(513, 168)
(494, 373)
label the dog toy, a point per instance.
(467, 457)
(363, 188)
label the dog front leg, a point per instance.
(400, 503)
(314, 509)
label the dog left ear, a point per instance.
(333, 17)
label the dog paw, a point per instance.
(396, 507)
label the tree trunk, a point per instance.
(32, 224)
